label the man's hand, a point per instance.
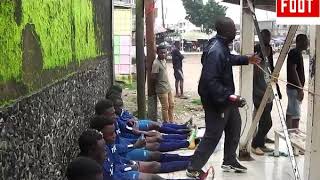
(300, 94)
(254, 59)
(136, 131)
(140, 143)
(134, 165)
(237, 100)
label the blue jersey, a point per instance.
(126, 115)
(108, 170)
(115, 166)
(123, 130)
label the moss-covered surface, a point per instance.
(57, 23)
(43, 36)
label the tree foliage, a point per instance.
(203, 14)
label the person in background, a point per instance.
(259, 88)
(177, 59)
(160, 75)
(296, 78)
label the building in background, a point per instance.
(123, 27)
(280, 30)
(184, 26)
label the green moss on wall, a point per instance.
(10, 43)
(65, 30)
(85, 43)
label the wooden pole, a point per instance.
(140, 59)
(151, 55)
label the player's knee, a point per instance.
(165, 107)
(155, 165)
(171, 105)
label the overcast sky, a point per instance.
(175, 12)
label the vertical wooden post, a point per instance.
(312, 154)
(140, 59)
(151, 50)
(246, 72)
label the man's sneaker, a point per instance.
(269, 141)
(194, 173)
(226, 167)
(237, 167)
(266, 149)
(199, 174)
(258, 151)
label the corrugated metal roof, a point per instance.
(269, 5)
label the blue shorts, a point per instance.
(138, 155)
(132, 175)
(144, 125)
(294, 105)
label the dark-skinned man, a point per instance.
(163, 89)
(177, 59)
(216, 89)
(296, 76)
(259, 88)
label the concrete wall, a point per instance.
(38, 134)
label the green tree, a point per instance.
(203, 14)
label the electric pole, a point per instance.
(162, 12)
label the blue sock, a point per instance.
(175, 136)
(171, 146)
(174, 126)
(174, 157)
(167, 167)
(168, 130)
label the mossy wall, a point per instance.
(64, 33)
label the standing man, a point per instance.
(259, 88)
(177, 58)
(163, 89)
(295, 76)
(216, 89)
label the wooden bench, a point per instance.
(298, 141)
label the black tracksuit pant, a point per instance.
(230, 122)
(264, 126)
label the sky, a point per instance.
(175, 12)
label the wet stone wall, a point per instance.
(38, 134)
